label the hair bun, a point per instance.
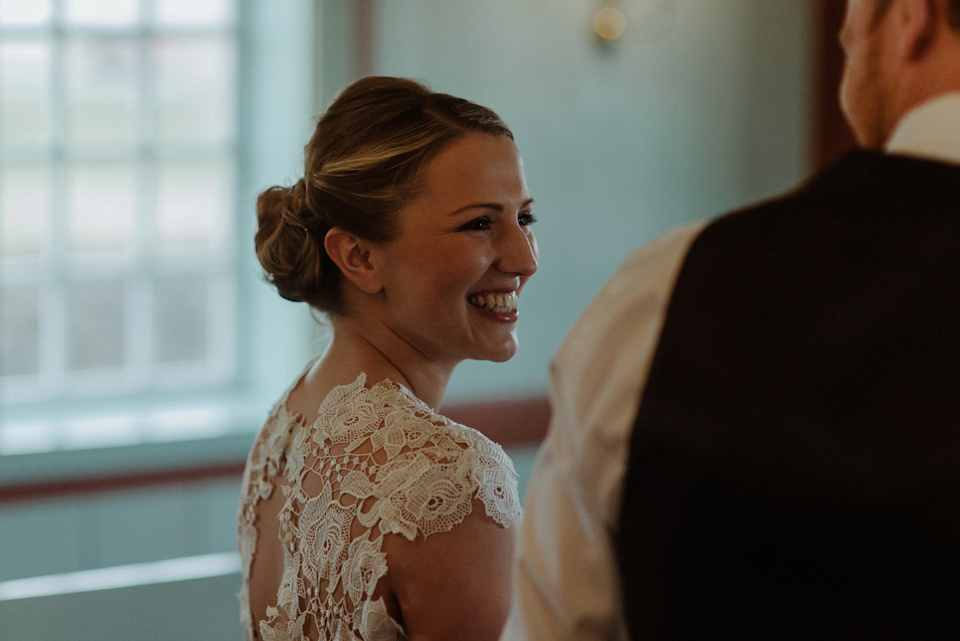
(289, 250)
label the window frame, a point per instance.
(140, 271)
(139, 428)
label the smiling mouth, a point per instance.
(499, 302)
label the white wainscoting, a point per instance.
(190, 598)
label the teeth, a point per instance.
(499, 303)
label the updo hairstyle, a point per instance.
(361, 166)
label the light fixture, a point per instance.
(645, 20)
(609, 23)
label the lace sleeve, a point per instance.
(436, 471)
(497, 484)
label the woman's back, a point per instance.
(325, 502)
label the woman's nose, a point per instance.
(519, 253)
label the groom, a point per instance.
(756, 427)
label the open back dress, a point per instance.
(319, 495)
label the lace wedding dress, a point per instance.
(375, 461)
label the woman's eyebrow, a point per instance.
(494, 206)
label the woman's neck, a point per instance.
(381, 355)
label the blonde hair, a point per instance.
(362, 164)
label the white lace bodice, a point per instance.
(377, 460)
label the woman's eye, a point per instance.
(477, 224)
(526, 218)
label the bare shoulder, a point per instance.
(453, 584)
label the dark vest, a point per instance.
(794, 471)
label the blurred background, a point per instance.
(139, 348)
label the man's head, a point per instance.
(899, 53)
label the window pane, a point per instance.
(209, 12)
(25, 190)
(181, 319)
(196, 86)
(101, 90)
(25, 89)
(19, 331)
(102, 12)
(24, 12)
(102, 204)
(118, 155)
(194, 199)
(95, 330)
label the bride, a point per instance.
(366, 514)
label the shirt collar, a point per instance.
(930, 130)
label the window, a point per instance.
(118, 181)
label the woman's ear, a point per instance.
(352, 255)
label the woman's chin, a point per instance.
(501, 353)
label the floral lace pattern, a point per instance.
(376, 461)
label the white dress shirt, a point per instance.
(565, 575)
(931, 130)
(566, 583)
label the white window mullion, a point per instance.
(53, 347)
(139, 312)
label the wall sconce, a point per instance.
(613, 18)
(609, 24)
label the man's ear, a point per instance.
(917, 22)
(352, 255)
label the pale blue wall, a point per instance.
(702, 108)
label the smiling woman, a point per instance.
(467, 239)
(411, 231)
